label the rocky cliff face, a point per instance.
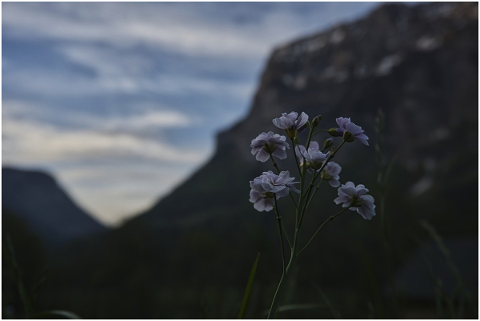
(417, 64)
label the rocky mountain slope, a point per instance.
(417, 64)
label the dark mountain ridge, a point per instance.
(41, 203)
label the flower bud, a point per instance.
(296, 141)
(316, 121)
(348, 136)
(333, 132)
(327, 143)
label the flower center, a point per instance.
(326, 175)
(355, 201)
(269, 195)
(270, 148)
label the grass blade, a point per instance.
(18, 278)
(246, 296)
(56, 313)
(335, 312)
(373, 283)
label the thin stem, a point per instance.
(321, 226)
(274, 163)
(320, 131)
(314, 191)
(279, 220)
(281, 287)
(286, 235)
(317, 173)
(295, 156)
(308, 192)
(310, 134)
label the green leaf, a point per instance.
(249, 287)
(56, 313)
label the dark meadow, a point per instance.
(409, 76)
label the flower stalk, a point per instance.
(268, 188)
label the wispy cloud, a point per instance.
(190, 29)
(31, 141)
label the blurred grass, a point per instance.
(249, 288)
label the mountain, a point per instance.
(190, 255)
(419, 65)
(37, 200)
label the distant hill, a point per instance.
(37, 200)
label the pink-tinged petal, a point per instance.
(368, 198)
(282, 193)
(302, 120)
(276, 122)
(350, 191)
(338, 200)
(268, 205)
(260, 205)
(254, 196)
(354, 129)
(350, 184)
(262, 156)
(293, 188)
(363, 141)
(280, 153)
(314, 145)
(334, 183)
(341, 121)
(292, 116)
(341, 192)
(366, 213)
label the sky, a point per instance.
(121, 102)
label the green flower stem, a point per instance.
(295, 156)
(308, 192)
(318, 173)
(320, 131)
(310, 134)
(279, 220)
(321, 226)
(313, 193)
(286, 235)
(281, 288)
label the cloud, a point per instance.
(28, 141)
(118, 72)
(186, 28)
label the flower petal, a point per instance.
(262, 156)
